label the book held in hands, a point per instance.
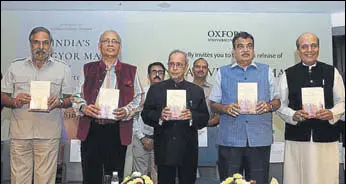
(247, 97)
(39, 92)
(176, 101)
(107, 100)
(312, 100)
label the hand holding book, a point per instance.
(119, 113)
(232, 109)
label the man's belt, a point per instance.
(105, 121)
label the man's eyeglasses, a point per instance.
(108, 41)
(157, 72)
(178, 65)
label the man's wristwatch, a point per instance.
(61, 101)
(271, 107)
(81, 108)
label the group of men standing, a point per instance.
(166, 145)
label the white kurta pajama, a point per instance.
(312, 162)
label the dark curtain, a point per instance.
(339, 63)
(339, 54)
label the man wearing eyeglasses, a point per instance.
(143, 143)
(104, 141)
(311, 140)
(35, 136)
(245, 138)
(176, 139)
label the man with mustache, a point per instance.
(200, 73)
(35, 136)
(104, 141)
(244, 139)
(176, 140)
(311, 143)
(143, 143)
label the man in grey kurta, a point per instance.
(35, 136)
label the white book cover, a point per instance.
(247, 97)
(39, 92)
(312, 100)
(176, 101)
(107, 100)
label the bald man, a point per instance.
(311, 142)
(104, 141)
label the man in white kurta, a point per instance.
(311, 149)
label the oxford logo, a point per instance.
(221, 34)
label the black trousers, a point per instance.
(102, 153)
(168, 174)
(255, 161)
